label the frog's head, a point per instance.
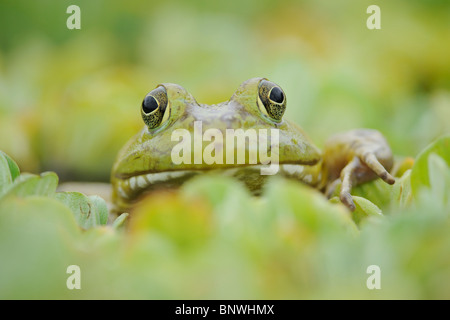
(171, 114)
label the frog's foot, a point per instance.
(331, 188)
(356, 157)
(356, 170)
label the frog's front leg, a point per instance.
(355, 157)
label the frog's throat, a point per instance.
(130, 188)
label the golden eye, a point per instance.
(155, 107)
(271, 100)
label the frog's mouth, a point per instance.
(132, 187)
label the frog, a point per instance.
(145, 163)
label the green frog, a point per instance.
(147, 163)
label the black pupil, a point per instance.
(149, 104)
(276, 95)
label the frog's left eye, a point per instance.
(154, 109)
(271, 100)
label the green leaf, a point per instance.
(33, 185)
(88, 211)
(13, 167)
(376, 191)
(294, 204)
(120, 220)
(401, 193)
(100, 207)
(364, 209)
(439, 175)
(5, 174)
(420, 175)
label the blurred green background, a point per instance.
(69, 99)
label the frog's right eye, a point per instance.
(154, 109)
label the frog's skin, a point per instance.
(145, 164)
